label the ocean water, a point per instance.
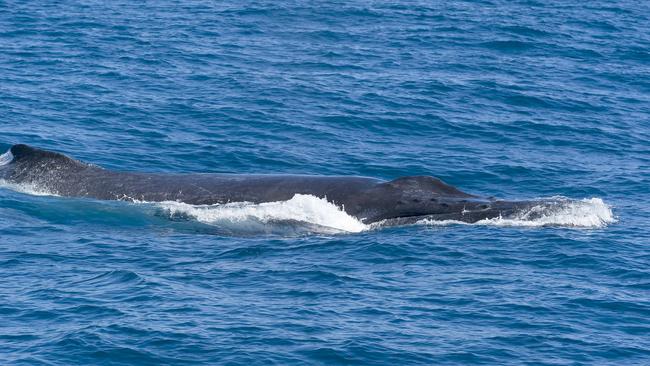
(513, 99)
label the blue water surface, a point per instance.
(515, 99)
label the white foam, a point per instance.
(300, 208)
(27, 188)
(559, 211)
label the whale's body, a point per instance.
(370, 200)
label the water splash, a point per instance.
(557, 211)
(301, 208)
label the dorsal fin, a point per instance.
(25, 153)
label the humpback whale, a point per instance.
(370, 200)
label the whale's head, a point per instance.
(413, 198)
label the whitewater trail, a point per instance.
(301, 208)
(563, 212)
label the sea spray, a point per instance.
(303, 208)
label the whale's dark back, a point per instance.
(64, 176)
(368, 199)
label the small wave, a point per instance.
(301, 208)
(558, 211)
(110, 278)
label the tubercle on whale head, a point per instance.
(408, 196)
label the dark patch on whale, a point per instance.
(400, 201)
